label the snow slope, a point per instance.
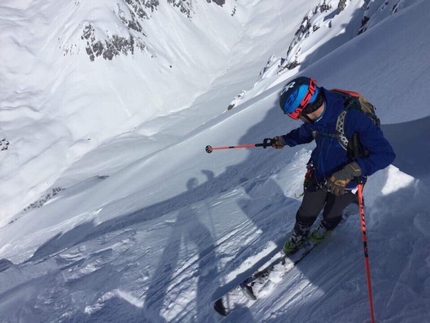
(57, 105)
(158, 235)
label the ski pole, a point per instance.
(355, 145)
(366, 249)
(266, 143)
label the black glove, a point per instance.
(278, 142)
(338, 181)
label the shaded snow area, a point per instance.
(112, 211)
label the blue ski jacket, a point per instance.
(328, 156)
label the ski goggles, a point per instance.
(305, 101)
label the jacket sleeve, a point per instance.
(381, 153)
(302, 135)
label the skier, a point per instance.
(330, 180)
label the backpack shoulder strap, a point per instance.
(352, 101)
(340, 129)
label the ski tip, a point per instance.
(220, 308)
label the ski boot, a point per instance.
(319, 234)
(295, 242)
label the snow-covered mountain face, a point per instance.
(326, 26)
(133, 14)
(76, 73)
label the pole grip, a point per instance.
(356, 152)
(355, 146)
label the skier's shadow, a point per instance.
(264, 204)
(187, 232)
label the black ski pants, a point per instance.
(316, 201)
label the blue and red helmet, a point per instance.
(298, 95)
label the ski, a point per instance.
(260, 282)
